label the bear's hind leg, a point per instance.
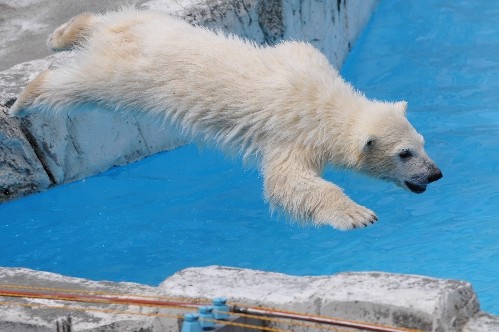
(71, 33)
(22, 106)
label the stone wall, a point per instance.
(45, 150)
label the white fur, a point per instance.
(284, 104)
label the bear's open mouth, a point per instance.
(415, 188)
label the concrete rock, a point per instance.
(15, 78)
(89, 140)
(406, 301)
(331, 26)
(21, 172)
(271, 21)
(482, 322)
(23, 314)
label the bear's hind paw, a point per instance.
(22, 107)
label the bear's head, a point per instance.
(391, 149)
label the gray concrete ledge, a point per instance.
(29, 315)
(404, 301)
(45, 150)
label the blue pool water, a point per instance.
(191, 207)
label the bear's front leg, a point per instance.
(293, 184)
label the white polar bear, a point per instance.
(284, 105)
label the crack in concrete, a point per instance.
(38, 150)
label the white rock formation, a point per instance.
(406, 301)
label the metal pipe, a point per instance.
(235, 309)
(319, 320)
(95, 299)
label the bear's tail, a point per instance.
(72, 33)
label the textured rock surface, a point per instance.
(21, 314)
(409, 301)
(20, 169)
(482, 322)
(89, 140)
(331, 26)
(15, 78)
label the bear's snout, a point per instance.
(417, 184)
(435, 176)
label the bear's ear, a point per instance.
(368, 143)
(401, 105)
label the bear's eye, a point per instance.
(370, 142)
(405, 154)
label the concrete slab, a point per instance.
(403, 301)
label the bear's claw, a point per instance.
(348, 215)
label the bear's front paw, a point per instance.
(345, 216)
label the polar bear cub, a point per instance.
(283, 104)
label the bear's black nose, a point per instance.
(436, 176)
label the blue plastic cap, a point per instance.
(219, 301)
(221, 309)
(205, 310)
(191, 317)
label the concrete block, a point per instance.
(404, 301)
(88, 140)
(30, 315)
(21, 171)
(482, 322)
(407, 301)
